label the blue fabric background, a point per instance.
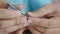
(30, 5)
(35, 4)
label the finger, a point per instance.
(33, 30)
(19, 7)
(20, 31)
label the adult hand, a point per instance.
(23, 21)
(30, 14)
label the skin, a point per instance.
(33, 30)
(35, 26)
(39, 24)
(3, 7)
(20, 31)
(54, 10)
(46, 10)
(41, 12)
(3, 4)
(19, 6)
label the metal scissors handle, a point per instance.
(15, 8)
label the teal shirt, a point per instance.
(29, 5)
(36, 4)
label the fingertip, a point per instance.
(29, 14)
